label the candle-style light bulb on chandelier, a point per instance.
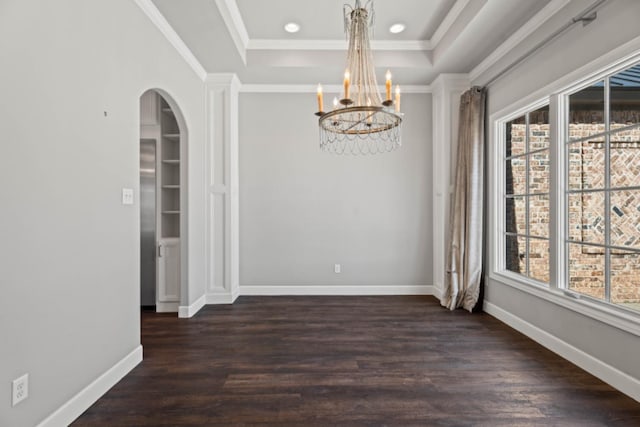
(361, 122)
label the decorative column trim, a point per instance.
(446, 91)
(221, 195)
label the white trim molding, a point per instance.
(186, 311)
(167, 30)
(233, 20)
(446, 89)
(167, 307)
(607, 373)
(221, 184)
(602, 312)
(448, 21)
(312, 88)
(216, 298)
(227, 79)
(625, 54)
(273, 290)
(79, 403)
(616, 59)
(376, 45)
(518, 37)
(218, 189)
(237, 29)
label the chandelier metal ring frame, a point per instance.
(362, 123)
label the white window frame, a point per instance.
(500, 213)
(556, 96)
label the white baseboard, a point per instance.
(167, 307)
(79, 403)
(222, 298)
(596, 367)
(186, 311)
(257, 290)
(437, 292)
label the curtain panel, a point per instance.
(465, 253)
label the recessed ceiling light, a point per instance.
(292, 27)
(397, 28)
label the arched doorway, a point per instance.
(163, 204)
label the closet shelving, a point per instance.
(170, 172)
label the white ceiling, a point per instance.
(442, 36)
(323, 19)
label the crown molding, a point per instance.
(546, 13)
(233, 20)
(418, 45)
(282, 44)
(161, 24)
(238, 31)
(223, 79)
(448, 21)
(451, 81)
(327, 89)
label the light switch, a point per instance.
(127, 196)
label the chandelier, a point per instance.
(361, 122)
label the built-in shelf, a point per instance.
(170, 165)
(160, 124)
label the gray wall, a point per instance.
(303, 210)
(616, 24)
(69, 281)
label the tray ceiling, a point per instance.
(442, 36)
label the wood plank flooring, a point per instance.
(351, 361)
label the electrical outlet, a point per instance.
(127, 196)
(20, 388)
(337, 268)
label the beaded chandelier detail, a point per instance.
(361, 122)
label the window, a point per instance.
(569, 185)
(603, 189)
(526, 204)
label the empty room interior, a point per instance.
(315, 213)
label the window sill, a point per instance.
(602, 312)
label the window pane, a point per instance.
(625, 97)
(574, 154)
(539, 259)
(515, 137)
(539, 216)
(515, 215)
(586, 217)
(625, 279)
(586, 271)
(624, 133)
(625, 218)
(539, 129)
(515, 253)
(539, 172)
(515, 176)
(586, 165)
(586, 111)
(625, 159)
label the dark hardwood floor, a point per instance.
(342, 361)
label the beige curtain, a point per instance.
(464, 258)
